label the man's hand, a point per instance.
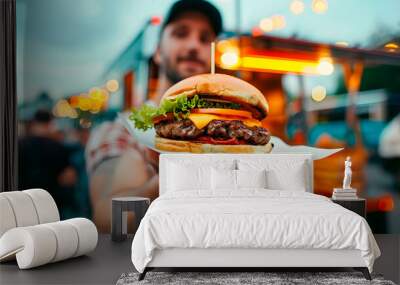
(152, 157)
(127, 175)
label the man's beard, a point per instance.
(172, 74)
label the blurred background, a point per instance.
(330, 71)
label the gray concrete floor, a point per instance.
(103, 266)
(110, 259)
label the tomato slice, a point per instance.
(225, 112)
(227, 141)
(210, 140)
(160, 118)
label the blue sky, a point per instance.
(64, 46)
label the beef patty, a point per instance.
(217, 129)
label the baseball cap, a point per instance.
(200, 6)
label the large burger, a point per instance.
(208, 113)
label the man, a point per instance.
(184, 48)
(117, 164)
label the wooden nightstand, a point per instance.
(357, 205)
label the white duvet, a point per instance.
(254, 218)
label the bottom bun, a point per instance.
(194, 147)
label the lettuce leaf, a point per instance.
(180, 107)
(143, 117)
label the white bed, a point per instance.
(194, 223)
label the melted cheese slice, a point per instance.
(202, 120)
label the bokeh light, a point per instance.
(391, 47)
(95, 100)
(342, 44)
(98, 94)
(74, 101)
(256, 32)
(319, 6)
(112, 85)
(278, 22)
(85, 123)
(223, 45)
(84, 103)
(325, 66)
(96, 106)
(297, 7)
(266, 24)
(386, 203)
(230, 59)
(63, 109)
(318, 93)
(155, 20)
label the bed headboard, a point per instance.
(212, 159)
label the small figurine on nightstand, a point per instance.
(347, 173)
(345, 193)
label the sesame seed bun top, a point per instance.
(227, 87)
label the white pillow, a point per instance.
(183, 177)
(228, 179)
(251, 178)
(282, 174)
(185, 174)
(223, 179)
(291, 179)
